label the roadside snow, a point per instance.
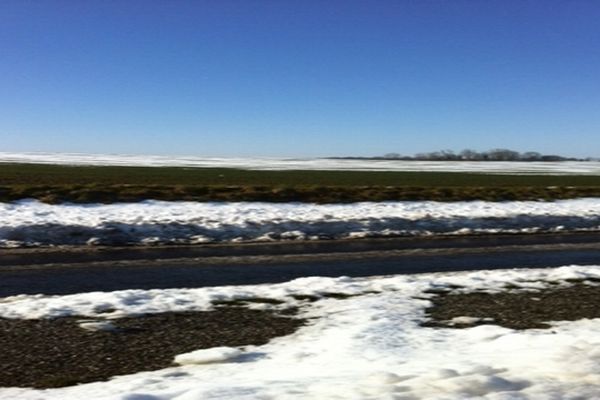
(363, 347)
(32, 223)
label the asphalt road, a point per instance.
(65, 271)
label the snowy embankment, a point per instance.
(370, 346)
(317, 164)
(32, 223)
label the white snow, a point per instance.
(464, 320)
(363, 347)
(208, 356)
(95, 325)
(489, 167)
(32, 223)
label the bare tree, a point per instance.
(503, 155)
(531, 156)
(472, 155)
(469, 155)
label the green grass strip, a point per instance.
(107, 184)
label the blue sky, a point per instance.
(299, 78)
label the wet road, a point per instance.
(60, 271)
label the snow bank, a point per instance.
(363, 347)
(31, 223)
(535, 168)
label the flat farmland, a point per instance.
(107, 184)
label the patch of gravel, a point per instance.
(515, 309)
(49, 353)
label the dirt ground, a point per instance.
(516, 309)
(57, 352)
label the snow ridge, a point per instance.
(32, 223)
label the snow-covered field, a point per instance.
(32, 223)
(537, 168)
(364, 347)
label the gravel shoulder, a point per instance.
(515, 309)
(49, 353)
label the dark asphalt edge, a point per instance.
(334, 257)
(92, 254)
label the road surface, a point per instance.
(75, 270)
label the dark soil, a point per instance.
(48, 353)
(516, 309)
(112, 193)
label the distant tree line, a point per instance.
(472, 155)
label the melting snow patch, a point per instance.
(97, 326)
(468, 320)
(208, 356)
